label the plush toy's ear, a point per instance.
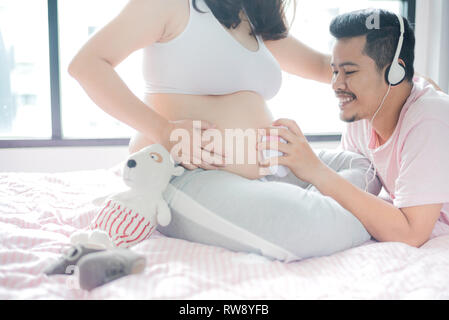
(178, 171)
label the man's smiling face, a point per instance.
(357, 83)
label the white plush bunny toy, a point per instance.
(131, 216)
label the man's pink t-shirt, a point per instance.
(413, 165)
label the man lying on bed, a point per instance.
(397, 120)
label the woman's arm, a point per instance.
(296, 58)
(139, 24)
(437, 88)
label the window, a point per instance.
(24, 70)
(41, 105)
(81, 118)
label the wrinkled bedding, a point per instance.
(39, 211)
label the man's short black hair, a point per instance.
(381, 39)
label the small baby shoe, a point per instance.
(66, 263)
(100, 268)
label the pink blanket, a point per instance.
(39, 211)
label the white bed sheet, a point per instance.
(39, 211)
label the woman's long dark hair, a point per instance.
(267, 16)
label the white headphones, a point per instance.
(396, 72)
(394, 76)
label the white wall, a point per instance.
(432, 41)
(60, 159)
(73, 159)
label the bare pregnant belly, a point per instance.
(237, 117)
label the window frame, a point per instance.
(57, 139)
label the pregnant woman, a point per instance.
(212, 64)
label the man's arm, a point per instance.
(385, 222)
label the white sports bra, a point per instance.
(205, 59)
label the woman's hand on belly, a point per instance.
(229, 149)
(200, 144)
(184, 139)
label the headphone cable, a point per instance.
(367, 183)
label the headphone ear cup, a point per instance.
(395, 74)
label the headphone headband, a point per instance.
(401, 38)
(396, 72)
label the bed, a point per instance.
(39, 211)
